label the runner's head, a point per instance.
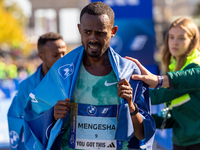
(51, 47)
(97, 9)
(96, 28)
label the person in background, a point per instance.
(181, 52)
(51, 47)
(2, 70)
(12, 71)
(88, 96)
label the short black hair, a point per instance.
(50, 36)
(98, 8)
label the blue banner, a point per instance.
(135, 36)
(141, 9)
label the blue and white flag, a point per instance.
(15, 113)
(41, 132)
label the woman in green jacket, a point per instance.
(181, 52)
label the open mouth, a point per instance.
(94, 47)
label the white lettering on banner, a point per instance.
(122, 2)
(138, 42)
(93, 144)
(96, 126)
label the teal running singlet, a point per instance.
(93, 118)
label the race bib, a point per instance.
(94, 127)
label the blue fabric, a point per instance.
(15, 113)
(59, 83)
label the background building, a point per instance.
(57, 16)
(165, 11)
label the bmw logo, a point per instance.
(14, 139)
(91, 110)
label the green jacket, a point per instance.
(184, 109)
(179, 79)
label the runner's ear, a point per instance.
(79, 28)
(114, 31)
(41, 55)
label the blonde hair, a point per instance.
(192, 30)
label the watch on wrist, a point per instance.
(136, 110)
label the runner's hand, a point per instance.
(61, 108)
(125, 91)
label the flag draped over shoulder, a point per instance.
(59, 83)
(15, 113)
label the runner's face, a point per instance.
(53, 50)
(96, 32)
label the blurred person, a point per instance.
(12, 71)
(51, 47)
(2, 71)
(181, 52)
(87, 98)
(22, 73)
